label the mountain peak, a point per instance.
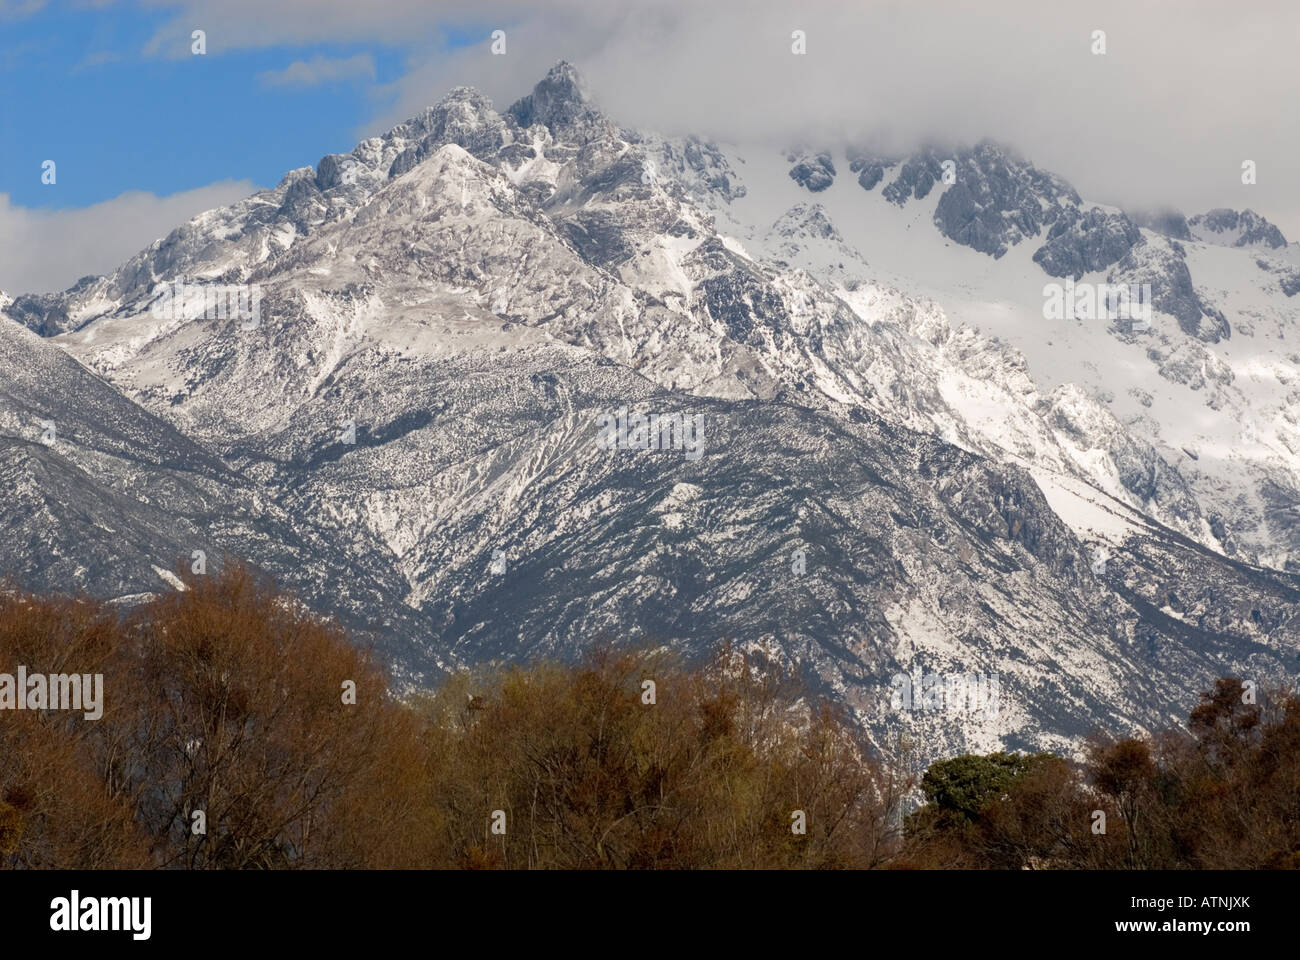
(1237, 228)
(565, 73)
(560, 103)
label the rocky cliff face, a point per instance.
(1237, 228)
(828, 471)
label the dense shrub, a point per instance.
(226, 700)
(1223, 794)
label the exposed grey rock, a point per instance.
(464, 117)
(816, 173)
(697, 163)
(997, 199)
(916, 178)
(870, 169)
(1160, 264)
(807, 220)
(1288, 277)
(1237, 228)
(1191, 364)
(1142, 471)
(44, 313)
(559, 102)
(472, 321)
(1080, 243)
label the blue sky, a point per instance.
(145, 135)
(77, 89)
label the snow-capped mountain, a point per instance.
(1192, 420)
(391, 380)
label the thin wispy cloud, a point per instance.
(319, 70)
(1164, 119)
(15, 9)
(98, 59)
(1184, 94)
(47, 250)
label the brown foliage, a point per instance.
(54, 810)
(1223, 795)
(223, 698)
(227, 699)
(588, 775)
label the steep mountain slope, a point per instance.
(1206, 393)
(102, 495)
(408, 430)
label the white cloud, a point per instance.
(47, 250)
(256, 24)
(318, 70)
(1185, 92)
(17, 9)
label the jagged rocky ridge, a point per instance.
(991, 201)
(471, 291)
